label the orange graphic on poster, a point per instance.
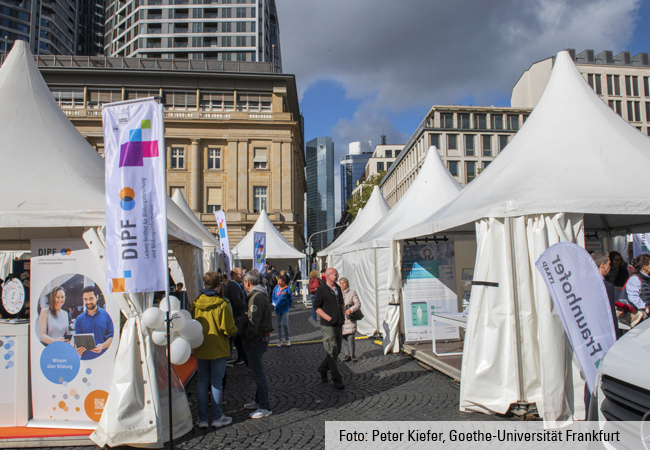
(94, 404)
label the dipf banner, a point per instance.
(136, 197)
(259, 252)
(579, 294)
(223, 238)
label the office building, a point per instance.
(622, 81)
(382, 158)
(225, 30)
(49, 27)
(238, 157)
(90, 34)
(319, 154)
(351, 168)
(468, 139)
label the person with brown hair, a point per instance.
(215, 315)
(618, 273)
(352, 304)
(314, 282)
(638, 285)
(282, 300)
(53, 322)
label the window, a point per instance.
(259, 199)
(647, 111)
(133, 95)
(646, 86)
(388, 153)
(635, 86)
(463, 121)
(214, 200)
(68, 98)
(241, 41)
(480, 121)
(259, 159)
(446, 120)
(216, 101)
(633, 112)
(485, 164)
(434, 140)
(98, 97)
(380, 166)
(180, 100)
(513, 122)
(594, 82)
(453, 167)
(599, 89)
(470, 170)
(496, 121)
(469, 145)
(487, 145)
(226, 41)
(631, 86)
(241, 13)
(178, 158)
(388, 164)
(214, 159)
(617, 85)
(226, 12)
(452, 142)
(241, 27)
(253, 102)
(503, 141)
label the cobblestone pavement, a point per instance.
(377, 387)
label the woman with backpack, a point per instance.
(638, 285)
(314, 282)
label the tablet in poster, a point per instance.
(74, 335)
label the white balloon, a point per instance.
(192, 330)
(194, 343)
(180, 351)
(178, 320)
(153, 318)
(186, 314)
(175, 304)
(159, 337)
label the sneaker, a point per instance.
(323, 376)
(288, 343)
(229, 364)
(260, 413)
(347, 358)
(239, 361)
(202, 424)
(252, 405)
(354, 359)
(338, 384)
(222, 421)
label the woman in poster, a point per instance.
(53, 323)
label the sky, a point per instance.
(371, 67)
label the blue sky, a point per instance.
(376, 66)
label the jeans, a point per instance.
(239, 344)
(332, 337)
(283, 324)
(255, 352)
(211, 373)
(314, 316)
(348, 345)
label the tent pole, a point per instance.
(521, 401)
(377, 292)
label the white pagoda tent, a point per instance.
(565, 173)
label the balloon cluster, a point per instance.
(186, 333)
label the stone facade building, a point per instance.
(233, 139)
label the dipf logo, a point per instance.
(127, 196)
(66, 252)
(141, 145)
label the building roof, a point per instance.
(574, 154)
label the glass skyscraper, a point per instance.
(320, 191)
(352, 166)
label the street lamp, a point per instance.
(309, 247)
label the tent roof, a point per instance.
(52, 181)
(375, 209)
(277, 247)
(433, 187)
(574, 154)
(209, 240)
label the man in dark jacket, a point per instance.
(328, 304)
(237, 296)
(255, 327)
(603, 263)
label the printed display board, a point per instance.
(70, 381)
(428, 288)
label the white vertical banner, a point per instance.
(579, 295)
(75, 324)
(259, 252)
(223, 238)
(136, 197)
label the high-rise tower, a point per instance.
(320, 190)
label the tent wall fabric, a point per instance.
(277, 247)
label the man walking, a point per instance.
(255, 327)
(328, 303)
(237, 296)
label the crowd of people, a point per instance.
(238, 313)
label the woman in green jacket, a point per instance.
(215, 315)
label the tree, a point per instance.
(359, 201)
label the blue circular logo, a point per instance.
(60, 362)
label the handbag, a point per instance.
(356, 315)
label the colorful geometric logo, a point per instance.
(259, 252)
(222, 230)
(141, 145)
(119, 284)
(65, 252)
(126, 199)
